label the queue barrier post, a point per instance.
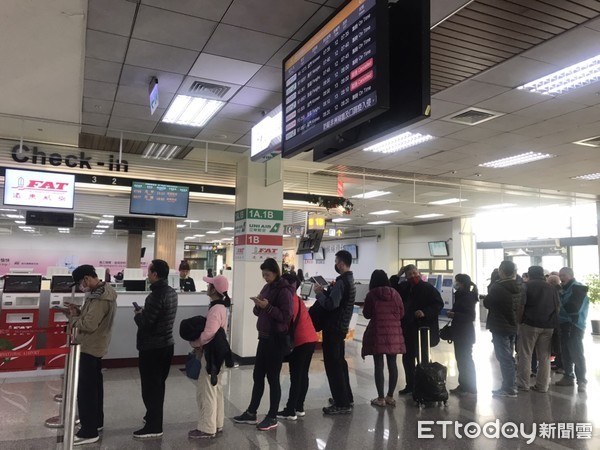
(70, 396)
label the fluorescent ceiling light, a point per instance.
(14, 216)
(188, 238)
(23, 227)
(371, 194)
(227, 239)
(498, 205)
(191, 111)
(565, 80)
(20, 222)
(588, 177)
(64, 229)
(523, 158)
(150, 235)
(383, 212)
(107, 215)
(227, 228)
(379, 222)
(8, 209)
(212, 232)
(448, 201)
(199, 235)
(589, 142)
(340, 219)
(191, 221)
(399, 142)
(106, 221)
(166, 152)
(428, 216)
(181, 225)
(102, 226)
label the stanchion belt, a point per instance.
(32, 330)
(39, 352)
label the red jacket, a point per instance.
(305, 331)
(383, 335)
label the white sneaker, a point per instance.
(83, 440)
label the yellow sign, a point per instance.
(316, 223)
(338, 232)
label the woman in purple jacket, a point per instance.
(273, 306)
(383, 335)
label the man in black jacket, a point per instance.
(539, 318)
(502, 300)
(422, 306)
(155, 346)
(338, 301)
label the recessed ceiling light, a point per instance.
(23, 227)
(167, 152)
(102, 226)
(523, 158)
(188, 238)
(498, 205)
(199, 235)
(448, 201)
(340, 219)
(383, 212)
(379, 222)
(227, 228)
(212, 232)
(227, 239)
(181, 225)
(8, 209)
(588, 177)
(371, 194)
(428, 216)
(191, 221)
(191, 111)
(20, 222)
(399, 142)
(14, 216)
(107, 215)
(106, 221)
(565, 80)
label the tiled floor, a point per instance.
(26, 402)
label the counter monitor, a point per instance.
(156, 199)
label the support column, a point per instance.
(464, 247)
(134, 249)
(165, 241)
(388, 257)
(258, 206)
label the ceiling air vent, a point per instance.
(589, 142)
(473, 116)
(208, 90)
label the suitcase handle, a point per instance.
(424, 343)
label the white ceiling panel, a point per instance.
(470, 92)
(569, 48)
(207, 9)
(230, 70)
(105, 46)
(128, 123)
(99, 120)
(268, 78)
(257, 97)
(100, 90)
(241, 112)
(111, 16)
(511, 101)
(277, 59)
(552, 107)
(313, 23)
(516, 71)
(137, 111)
(161, 57)
(98, 70)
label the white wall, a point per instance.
(413, 239)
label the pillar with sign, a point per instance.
(258, 235)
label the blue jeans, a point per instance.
(504, 348)
(572, 352)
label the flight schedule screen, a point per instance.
(332, 79)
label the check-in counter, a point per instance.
(122, 344)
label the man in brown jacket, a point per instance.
(94, 327)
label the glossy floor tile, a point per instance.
(25, 403)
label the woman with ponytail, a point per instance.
(463, 332)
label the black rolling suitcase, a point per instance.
(430, 377)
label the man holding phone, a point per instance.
(155, 346)
(94, 322)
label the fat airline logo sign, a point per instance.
(45, 189)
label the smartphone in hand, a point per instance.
(136, 306)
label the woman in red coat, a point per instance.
(383, 335)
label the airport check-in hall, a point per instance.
(336, 224)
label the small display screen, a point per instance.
(447, 282)
(438, 248)
(22, 283)
(306, 289)
(157, 199)
(352, 249)
(62, 284)
(318, 279)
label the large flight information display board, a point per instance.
(338, 76)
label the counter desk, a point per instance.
(122, 344)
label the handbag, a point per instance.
(192, 366)
(317, 315)
(290, 336)
(446, 333)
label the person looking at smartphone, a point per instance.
(94, 321)
(273, 307)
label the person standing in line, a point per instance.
(155, 346)
(538, 317)
(338, 303)
(273, 306)
(305, 339)
(186, 284)
(422, 306)
(502, 301)
(574, 305)
(94, 323)
(383, 336)
(463, 332)
(209, 397)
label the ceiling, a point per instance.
(86, 84)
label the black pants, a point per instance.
(336, 368)
(154, 368)
(268, 363)
(299, 366)
(379, 378)
(467, 378)
(409, 359)
(90, 395)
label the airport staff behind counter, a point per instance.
(186, 284)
